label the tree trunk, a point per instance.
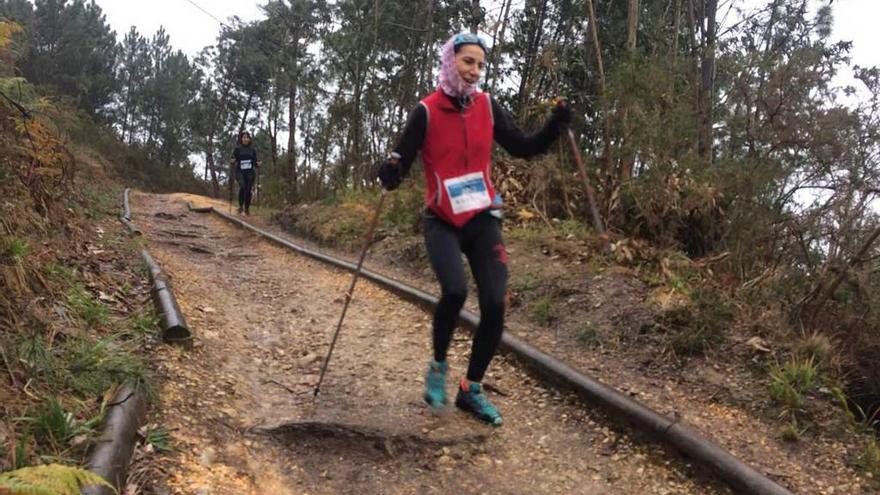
(247, 110)
(603, 104)
(632, 24)
(628, 152)
(210, 139)
(274, 119)
(292, 176)
(127, 108)
(497, 43)
(427, 59)
(707, 86)
(673, 51)
(476, 14)
(211, 166)
(528, 62)
(822, 292)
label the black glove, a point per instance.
(389, 174)
(562, 112)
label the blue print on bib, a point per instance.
(467, 192)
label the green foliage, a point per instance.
(34, 355)
(21, 451)
(791, 432)
(573, 228)
(52, 424)
(869, 460)
(86, 307)
(82, 364)
(60, 274)
(91, 367)
(102, 201)
(589, 335)
(160, 439)
(543, 311)
(344, 225)
(814, 346)
(791, 381)
(52, 479)
(19, 90)
(144, 324)
(675, 209)
(69, 47)
(843, 401)
(403, 211)
(700, 325)
(15, 248)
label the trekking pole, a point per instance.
(591, 195)
(257, 193)
(367, 241)
(229, 180)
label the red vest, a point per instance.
(456, 155)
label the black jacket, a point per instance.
(245, 157)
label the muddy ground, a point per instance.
(244, 420)
(723, 394)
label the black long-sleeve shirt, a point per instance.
(505, 131)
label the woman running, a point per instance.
(454, 128)
(245, 157)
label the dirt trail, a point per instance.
(241, 409)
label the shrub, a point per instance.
(85, 307)
(589, 335)
(543, 311)
(15, 248)
(869, 461)
(93, 366)
(160, 439)
(815, 346)
(50, 479)
(701, 324)
(789, 382)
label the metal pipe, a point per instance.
(174, 328)
(114, 449)
(126, 204)
(125, 218)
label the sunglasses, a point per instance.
(469, 39)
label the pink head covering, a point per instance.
(450, 81)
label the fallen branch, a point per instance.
(8, 368)
(18, 106)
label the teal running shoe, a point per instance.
(472, 399)
(435, 384)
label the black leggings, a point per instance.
(245, 188)
(480, 240)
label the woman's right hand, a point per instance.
(389, 174)
(562, 111)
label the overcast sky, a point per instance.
(191, 29)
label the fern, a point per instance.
(53, 479)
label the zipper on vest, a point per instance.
(464, 128)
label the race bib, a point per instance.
(467, 193)
(246, 165)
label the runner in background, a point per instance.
(245, 162)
